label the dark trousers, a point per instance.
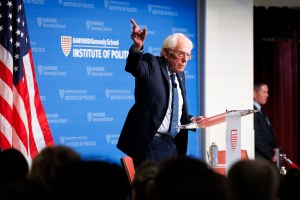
(159, 150)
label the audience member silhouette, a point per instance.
(253, 179)
(144, 179)
(189, 179)
(93, 180)
(13, 166)
(14, 185)
(23, 189)
(290, 188)
(46, 166)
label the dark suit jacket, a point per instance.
(264, 137)
(151, 104)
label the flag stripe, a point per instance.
(6, 108)
(6, 59)
(5, 144)
(40, 115)
(37, 135)
(6, 133)
(21, 129)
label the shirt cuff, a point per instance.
(135, 50)
(192, 119)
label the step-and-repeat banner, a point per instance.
(80, 49)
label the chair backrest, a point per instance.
(127, 164)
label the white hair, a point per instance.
(171, 42)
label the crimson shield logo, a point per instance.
(233, 139)
(66, 42)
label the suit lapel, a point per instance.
(163, 67)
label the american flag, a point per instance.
(23, 123)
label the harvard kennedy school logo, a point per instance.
(66, 43)
(233, 139)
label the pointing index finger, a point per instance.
(133, 23)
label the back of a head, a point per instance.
(47, 165)
(93, 180)
(188, 178)
(13, 166)
(253, 179)
(23, 189)
(144, 179)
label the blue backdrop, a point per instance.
(80, 49)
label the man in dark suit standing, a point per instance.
(265, 142)
(146, 134)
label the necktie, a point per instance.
(174, 114)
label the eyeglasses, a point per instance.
(182, 54)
